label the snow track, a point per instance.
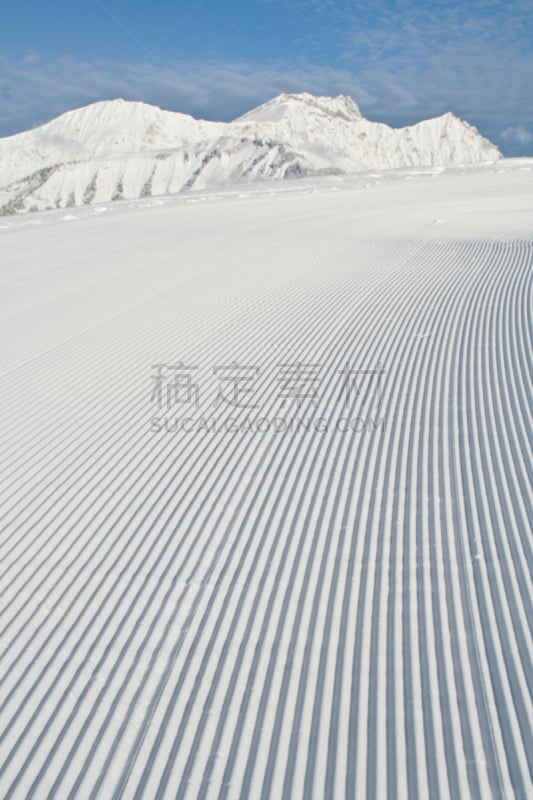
(255, 614)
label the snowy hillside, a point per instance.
(200, 601)
(121, 150)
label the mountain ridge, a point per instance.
(118, 149)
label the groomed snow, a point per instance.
(306, 614)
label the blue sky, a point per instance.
(401, 60)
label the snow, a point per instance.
(300, 613)
(302, 106)
(123, 150)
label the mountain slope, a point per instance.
(121, 150)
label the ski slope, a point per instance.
(265, 613)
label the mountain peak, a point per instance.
(290, 106)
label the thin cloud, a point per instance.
(518, 135)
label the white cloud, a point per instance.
(517, 134)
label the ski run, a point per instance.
(254, 582)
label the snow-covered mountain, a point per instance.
(122, 150)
